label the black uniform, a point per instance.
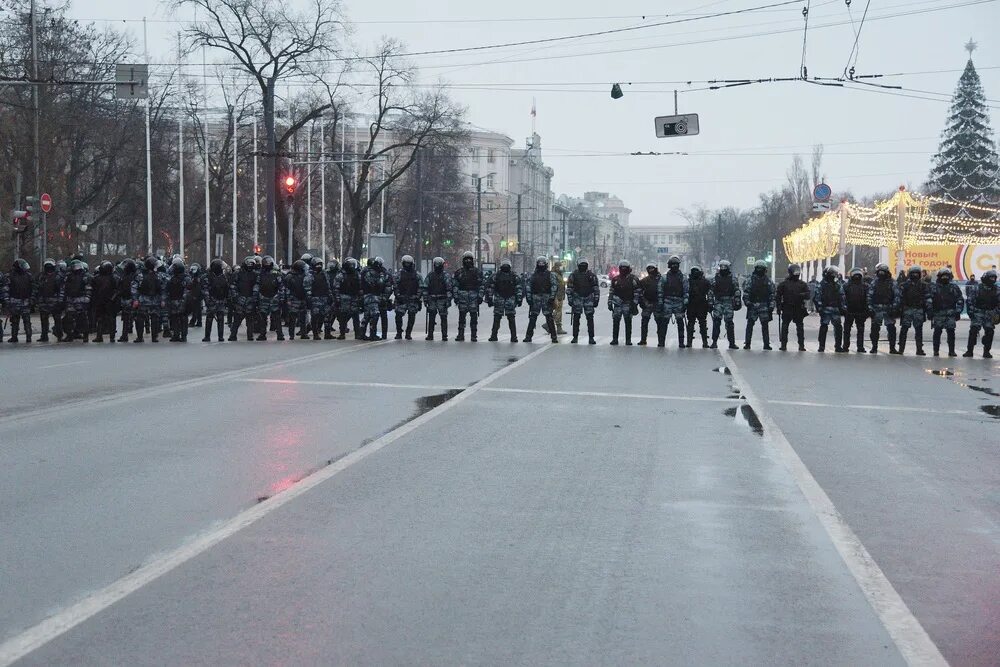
(698, 307)
(856, 293)
(791, 298)
(104, 302)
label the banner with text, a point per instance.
(964, 260)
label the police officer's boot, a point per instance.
(951, 343)
(249, 322)
(474, 327)
(14, 328)
(973, 335)
(749, 335)
(175, 331)
(399, 326)
(410, 319)
(800, 334)
(576, 328)
(234, 327)
(918, 337)
(384, 319)
(987, 344)
(531, 327)
(840, 343)
(44, 338)
(690, 331)
(861, 338)
(373, 330)
(628, 330)
(823, 328)
(874, 341)
(460, 338)
(643, 330)
(765, 332)
(731, 335)
(140, 327)
(512, 324)
(292, 322)
(936, 341)
(207, 338)
(551, 323)
(430, 327)
(901, 346)
(27, 328)
(680, 335)
(704, 335)
(444, 326)
(590, 330)
(154, 328)
(359, 332)
(661, 333)
(715, 334)
(496, 328)
(615, 326)
(783, 336)
(892, 341)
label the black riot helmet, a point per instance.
(882, 270)
(760, 267)
(857, 275)
(306, 257)
(49, 266)
(194, 269)
(333, 266)
(177, 268)
(21, 266)
(438, 264)
(407, 263)
(61, 265)
(583, 266)
(989, 278)
(674, 263)
(267, 263)
(915, 272)
(317, 264)
(350, 265)
(150, 263)
(541, 264)
(829, 273)
(468, 259)
(249, 263)
(128, 266)
(944, 275)
(216, 266)
(724, 266)
(299, 266)
(794, 270)
(652, 268)
(696, 273)
(370, 262)
(378, 263)
(106, 268)
(505, 266)
(624, 267)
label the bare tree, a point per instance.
(404, 121)
(270, 42)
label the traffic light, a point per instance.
(290, 184)
(448, 242)
(503, 243)
(29, 205)
(256, 248)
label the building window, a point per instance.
(474, 153)
(490, 183)
(491, 155)
(475, 180)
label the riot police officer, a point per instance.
(726, 299)
(406, 286)
(623, 301)
(791, 298)
(758, 297)
(583, 293)
(468, 291)
(504, 294)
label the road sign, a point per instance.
(822, 192)
(131, 82)
(821, 206)
(751, 261)
(662, 250)
(46, 202)
(684, 125)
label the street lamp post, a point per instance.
(479, 216)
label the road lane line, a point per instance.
(37, 636)
(607, 394)
(70, 363)
(910, 638)
(170, 387)
(890, 408)
(379, 385)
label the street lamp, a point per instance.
(479, 216)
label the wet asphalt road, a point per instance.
(586, 505)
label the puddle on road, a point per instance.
(941, 372)
(428, 403)
(985, 390)
(722, 369)
(991, 410)
(747, 417)
(511, 360)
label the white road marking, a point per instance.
(909, 636)
(379, 385)
(608, 394)
(69, 363)
(890, 408)
(21, 645)
(170, 387)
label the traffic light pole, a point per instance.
(479, 220)
(36, 186)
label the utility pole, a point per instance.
(563, 238)
(519, 223)
(420, 214)
(718, 240)
(149, 157)
(479, 219)
(36, 186)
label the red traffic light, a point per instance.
(290, 184)
(256, 249)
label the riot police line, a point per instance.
(152, 296)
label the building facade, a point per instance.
(531, 199)
(655, 244)
(597, 228)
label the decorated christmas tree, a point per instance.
(966, 169)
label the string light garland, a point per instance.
(877, 226)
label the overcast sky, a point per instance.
(875, 139)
